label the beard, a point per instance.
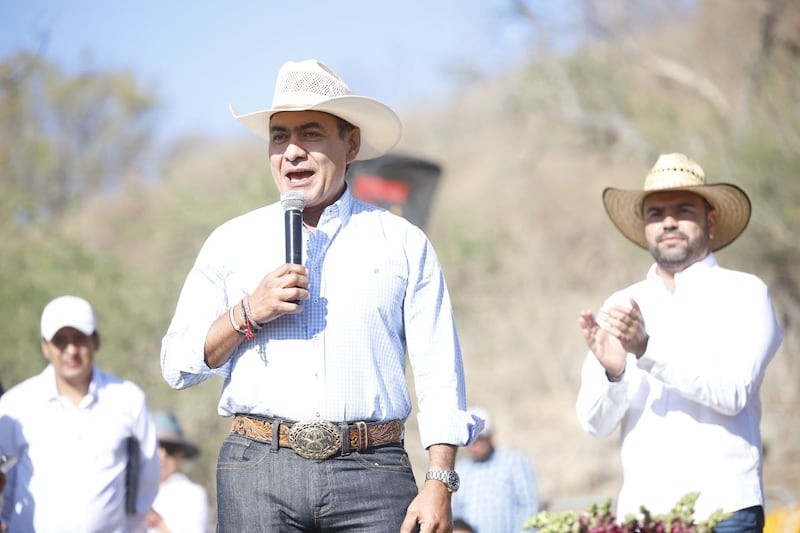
(675, 257)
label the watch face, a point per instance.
(453, 481)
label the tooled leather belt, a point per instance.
(319, 439)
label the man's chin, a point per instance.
(672, 258)
(75, 373)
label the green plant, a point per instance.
(600, 519)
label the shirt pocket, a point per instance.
(381, 283)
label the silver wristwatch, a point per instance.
(448, 477)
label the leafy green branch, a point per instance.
(600, 519)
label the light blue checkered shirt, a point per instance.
(376, 289)
(497, 495)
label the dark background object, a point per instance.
(403, 184)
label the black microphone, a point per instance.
(293, 203)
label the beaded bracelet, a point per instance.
(246, 305)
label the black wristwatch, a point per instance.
(448, 477)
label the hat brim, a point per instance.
(189, 449)
(380, 126)
(624, 208)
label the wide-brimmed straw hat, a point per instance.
(311, 86)
(676, 172)
(170, 434)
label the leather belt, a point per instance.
(319, 439)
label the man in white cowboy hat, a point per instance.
(313, 354)
(181, 504)
(84, 441)
(676, 361)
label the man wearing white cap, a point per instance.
(499, 491)
(313, 352)
(83, 439)
(676, 361)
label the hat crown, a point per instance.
(672, 171)
(306, 83)
(67, 311)
(166, 423)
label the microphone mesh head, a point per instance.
(293, 200)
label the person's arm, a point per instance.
(601, 404)
(149, 468)
(603, 396)
(431, 508)
(10, 446)
(201, 301)
(617, 330)
(155, 522)
(717, 359)
(276, 295)
(435, 355)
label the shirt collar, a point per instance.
(51, 391)
(688, 273)
(341, 208)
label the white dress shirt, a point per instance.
(183, 505)
(689, 408)
(376, 289)
(70, 475)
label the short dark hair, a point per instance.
(344, 127)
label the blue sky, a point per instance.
(199, 56)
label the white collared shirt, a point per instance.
(689, 408)
(183, 505)
(70, 474)
(376, 289)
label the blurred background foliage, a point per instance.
(90, 204)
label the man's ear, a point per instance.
(96, 340)
(353, 144)
(711, 221)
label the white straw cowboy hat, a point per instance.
(311, 86)
(674, 172)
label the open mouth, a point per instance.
(299, 176)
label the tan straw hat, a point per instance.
(677, 172)
(311, 86)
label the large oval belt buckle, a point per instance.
(318, 439)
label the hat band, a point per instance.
(677, 169)
(292, 106)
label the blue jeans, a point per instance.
(263, 488)
(750, 520)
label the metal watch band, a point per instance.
(448, 477)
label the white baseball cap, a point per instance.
(67, 311)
